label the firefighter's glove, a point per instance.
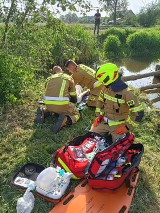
(98, 120)
(122, 129)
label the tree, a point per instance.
(112, 6)
(69, 18)
(149, 15)
(20, 10)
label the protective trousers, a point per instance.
(67, 109)
(104, 128)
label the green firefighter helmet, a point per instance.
(107, 73)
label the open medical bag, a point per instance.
(113, 173)
(105, 169)
(76, 156)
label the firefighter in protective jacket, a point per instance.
(85, 76)
(60, 97)
(118, 110)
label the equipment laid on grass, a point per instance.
(78, 154)
(110, 171)
(49, 183)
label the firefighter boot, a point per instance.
(39, 116)
(63, 120)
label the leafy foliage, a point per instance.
(144, 43)
(120, 33)
(112, 47)
(15, 77)
(113, 6)
(149, 16)
(41, 46)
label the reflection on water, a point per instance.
(133, 66)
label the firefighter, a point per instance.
(85, 76)
(118, 110)
(60, 98)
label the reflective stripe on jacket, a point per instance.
(85, 76)
(120, 107)
(60, 87)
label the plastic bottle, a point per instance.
(25, 204)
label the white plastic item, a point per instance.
(53, 182)
(25, 182)
(25, 204)
(46, 178)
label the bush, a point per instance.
(112, 47)
(48, 46)
(15, 77)
(74, 43)
(120, 33)
(144, 43)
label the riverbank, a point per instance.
(22, 142)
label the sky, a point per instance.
(134, 5)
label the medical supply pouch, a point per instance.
(110, 173)
(76, 156)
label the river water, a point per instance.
(133, 67)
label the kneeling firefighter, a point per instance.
(118, 110)
(60, 98)
(85, 76)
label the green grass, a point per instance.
(22, 142)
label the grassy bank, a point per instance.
(22, 142)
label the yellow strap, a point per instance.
(137, 109)
(117, 100)
(114, 123)
(100, 99)
(56, 102)
(132, 122)
(66, 168)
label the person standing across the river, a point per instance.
(97, 18)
